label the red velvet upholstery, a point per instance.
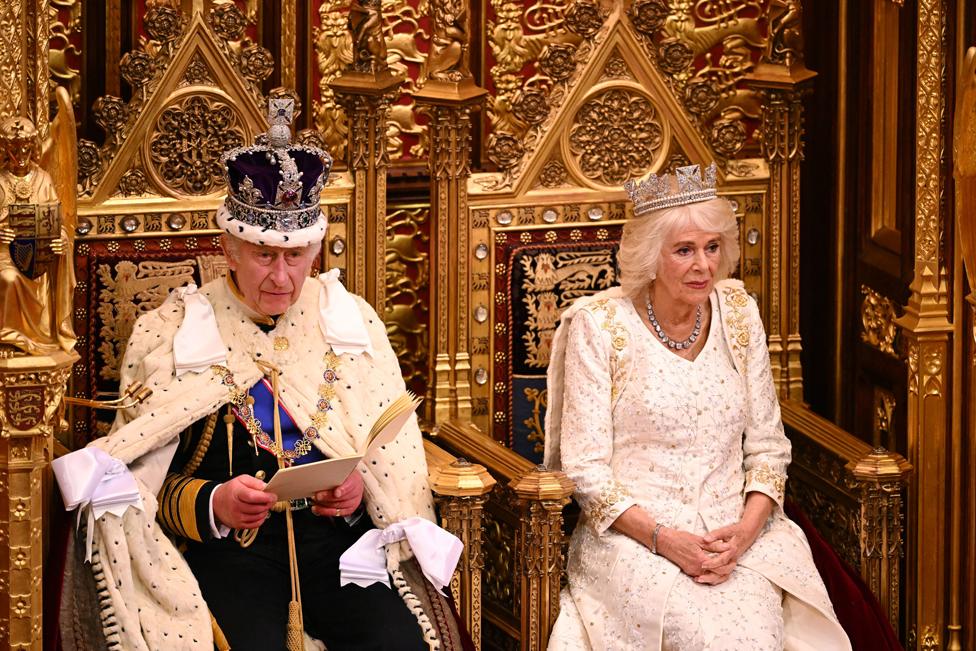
(856, 606)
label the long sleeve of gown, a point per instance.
(587, 423)
(765, 446)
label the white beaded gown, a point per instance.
(635, 424)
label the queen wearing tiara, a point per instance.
(662, 410)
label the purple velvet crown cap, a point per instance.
(262, 166)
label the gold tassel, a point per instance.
(220, 640)
(229, 424)
(296, 634)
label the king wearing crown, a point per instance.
(264, 369)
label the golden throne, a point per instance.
(471, 276)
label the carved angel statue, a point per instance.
(449, 53)
(36, 268)
(368, 43)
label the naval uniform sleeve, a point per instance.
(185, 506)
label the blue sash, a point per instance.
(290, 434)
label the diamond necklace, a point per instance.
(668, 341)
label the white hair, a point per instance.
(643, 238)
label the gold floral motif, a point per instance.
(553, 174)
(111, 114)
(584, 18)
(764, 474)
(675, 56)
(558, 61)
(228, 21)
(257, 64)
(137, 68)
(133, 182)
(197, 73)
(878, 327)
(89, 163)
(601, 508)
(616, 68)
(616, 136)
(504, 150)
(11, 53)
(531, 106)
(648, 16)
(735, 320)
(618, 333)
(728, 136)
(163, 23)
(701, 96)
(189, 139)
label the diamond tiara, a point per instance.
(687, 185)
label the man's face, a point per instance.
(269, 277)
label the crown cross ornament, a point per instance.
(274, 186)
(687, 185)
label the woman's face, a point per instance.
(689, 259)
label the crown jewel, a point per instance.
(274, 184)
(687, 185)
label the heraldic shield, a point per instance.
(35, 225)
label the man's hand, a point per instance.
(342, 500)
(7, 235)
(241, 503)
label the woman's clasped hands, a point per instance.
(692, 555)
(711, 558)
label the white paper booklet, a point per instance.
(308, 478)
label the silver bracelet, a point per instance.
(657, 528)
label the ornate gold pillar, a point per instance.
(449, 95)
(782, 79)
(928, 335)
(24, 35)
(365, 91)
(462, 489)
(542, 494)
(31, 389)
(880, 478)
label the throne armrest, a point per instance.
(525, 518)
(460, 489)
